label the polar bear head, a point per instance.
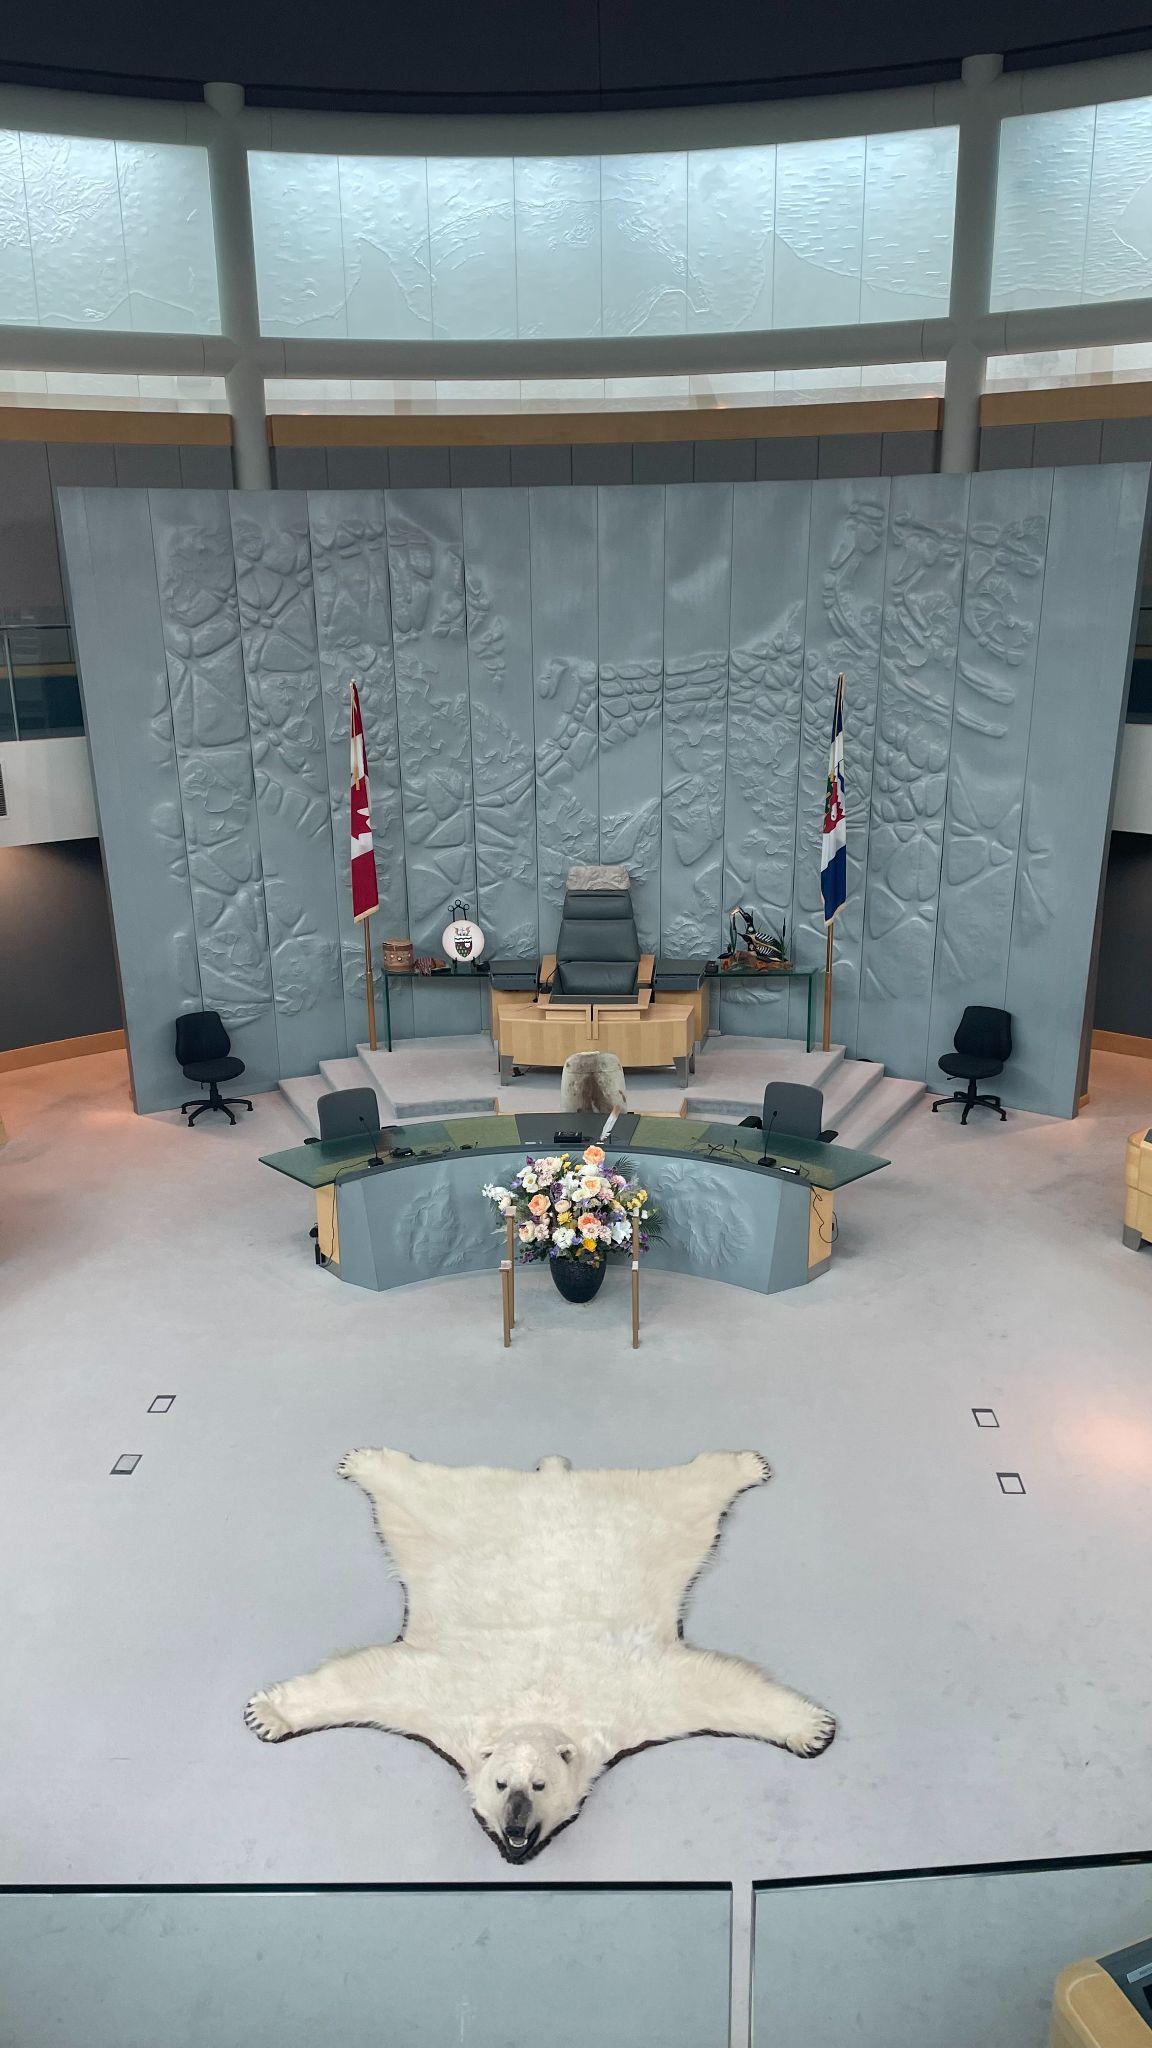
(530, 1783)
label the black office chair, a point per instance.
(983, 1043)
(349, 1113)
(204, 1051)
(791, 1110)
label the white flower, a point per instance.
(563, 1237)
(529, 1183)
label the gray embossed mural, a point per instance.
(634, 674)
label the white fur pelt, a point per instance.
(593, 1082)
(542, 1639)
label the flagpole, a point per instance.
(828, 990)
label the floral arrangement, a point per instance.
(573, 1209)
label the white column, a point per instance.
(973, 234)
(236, 271)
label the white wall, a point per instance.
(1133, 812)
(48, 792)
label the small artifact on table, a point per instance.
(752, 947)
(427, 963)
(462, 940)
(398, 954)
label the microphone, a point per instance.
(375, 1137)
(764, 1160)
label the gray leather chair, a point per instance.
(598, 957)
(349, 1113)
(791, 1110)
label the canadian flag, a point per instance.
(365, 887)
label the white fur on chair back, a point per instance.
(593, 1082)
(587, 876)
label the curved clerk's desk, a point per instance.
(725, 1216)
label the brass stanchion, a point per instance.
(369, 983)
(511, 1274)
(635, 1284)
(828, 990)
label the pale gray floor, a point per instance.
(989, 1657)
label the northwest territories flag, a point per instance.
(365, 887)
(833, 856)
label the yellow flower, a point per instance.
(589, 1244)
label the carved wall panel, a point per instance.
(770, 531)
(991, 723)
(196, 579)
(697, 608)
(1095, 546)
(354, 642)
(501, 693)
(842, 634)
(565, 654)
(128, 718)
(631, 606)
(430, 636)
(286, 719)
(923, 583)
(565, 675)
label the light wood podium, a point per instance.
(664, 1033)
(1090, 2011)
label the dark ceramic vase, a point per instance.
(578, 1279)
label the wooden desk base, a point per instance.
(663, 1035)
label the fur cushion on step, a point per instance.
(542, 1640)
(592, 1083)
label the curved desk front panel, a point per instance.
(725, 1216)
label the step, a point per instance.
(431, 1077)
(732, 1073)
(300, 1094)
(848, 1088)
(870, 1124)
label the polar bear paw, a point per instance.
(355, 1464)
(815, 1729)
(264, 1718)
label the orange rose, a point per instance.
(587, 1224)
(594, 1154)
(538, 1204)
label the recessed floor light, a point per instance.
(986, 1418)
(161, 1404)
(126, 1463)
(1010, 1482)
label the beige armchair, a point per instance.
(1138, 1192)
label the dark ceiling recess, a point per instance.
(542, 56)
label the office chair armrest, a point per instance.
(646, 970)
(547, 972)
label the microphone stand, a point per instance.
(375, 1137)
(764, 1160)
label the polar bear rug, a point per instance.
(542, 1640)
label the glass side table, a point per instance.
(770, 977)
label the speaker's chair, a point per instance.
(983, 1043)
(598, 958)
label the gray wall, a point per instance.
(642, 675)
(1124, 986)
(57, 973)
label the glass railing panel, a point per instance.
(951, 1960)
(507, 1966)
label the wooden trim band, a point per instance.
(92, 423)
(61, 1049)
(682, 423)
(1067, 402)
(1122, 1041)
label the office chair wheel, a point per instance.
(516, 1072)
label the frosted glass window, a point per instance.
(558, 245)
(819, 233)
(457, 395)
(473, 248)
(384, 237)
(106, 234)
(1074, 207)
(300, 274)
(663, 242)
(644, 203)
